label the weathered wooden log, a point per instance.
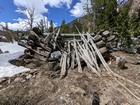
(78, 59)
(89, 64)
(31, 42)
(136, 62)
(105, 33)
(63, 66)
(100, 44)
(97, 38)
(110, 38)
(69, 54)
(84, 52)
(28, 47)
(103, 50)
(72, 59)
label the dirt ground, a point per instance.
(45, 87)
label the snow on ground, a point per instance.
(7, 69)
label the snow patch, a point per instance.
(11, 47)
(7, 69)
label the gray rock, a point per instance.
(56, 54)
(32, 71)
(105, 33)
(18, 79)
(29, 76)
(121, 61)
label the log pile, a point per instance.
(67, 51)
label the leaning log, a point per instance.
(63, 65)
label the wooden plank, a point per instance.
(72, 59)
(63, 66)
(69, 54)
(92, 55)
(77, 58)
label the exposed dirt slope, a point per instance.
(43, 87)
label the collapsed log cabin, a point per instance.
(67, 51)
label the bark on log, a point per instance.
(63, 66)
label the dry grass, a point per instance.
(19, 98)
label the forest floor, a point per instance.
(41, 86)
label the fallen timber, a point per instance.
(74, 50)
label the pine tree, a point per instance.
(124, 28)
(64, 28)
(134, 24)
(76, 23)
(89, 18)
(41, 26)
(51, 28)
(105, 13)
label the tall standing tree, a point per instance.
(89, 18)
(76, 23)
(64, 28)
(134, 24)
(41, 26)
(128, 26)
(51, 28)
(105, 13)
(29, 13)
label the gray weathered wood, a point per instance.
(63, 66)
(77, 58)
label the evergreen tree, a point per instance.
(105, 13)
(51, 28)
(76, 23)
(134, 24)
(107, 16)
(41, 26)
(64, 28)
(89, 18)
(127, 27)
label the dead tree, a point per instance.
(30, 15)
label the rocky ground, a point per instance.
(42, 86)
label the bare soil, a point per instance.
(45, 87)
